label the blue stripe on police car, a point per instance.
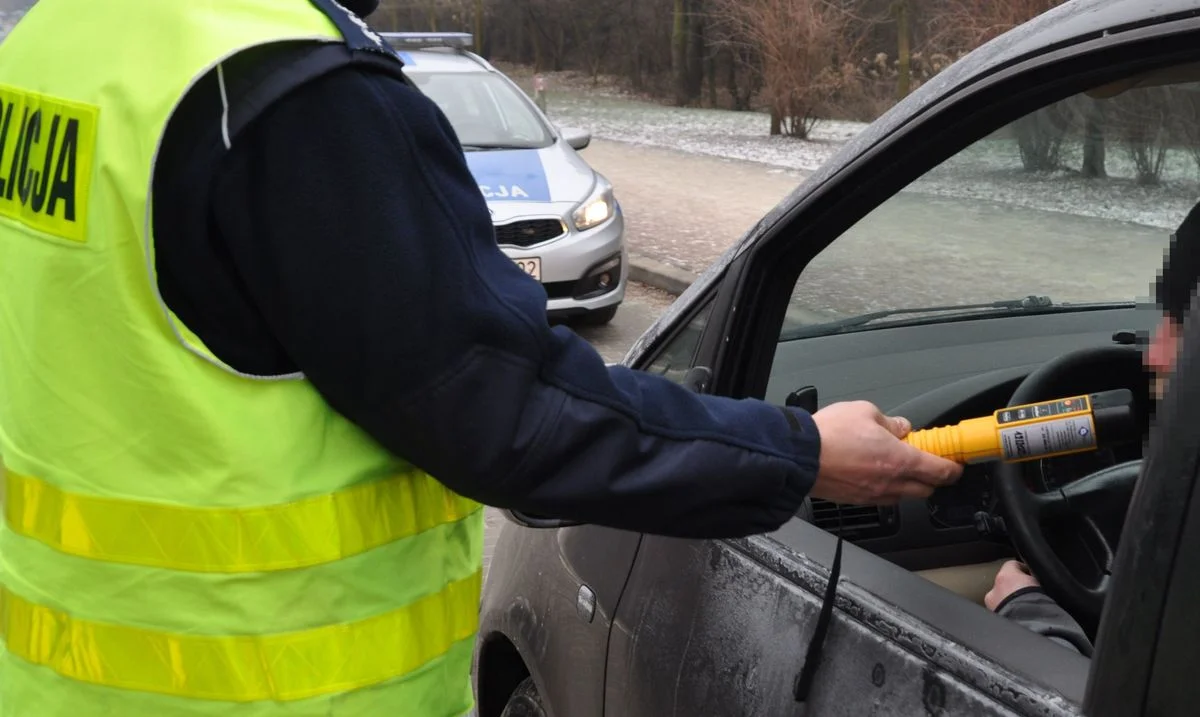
(510, 175)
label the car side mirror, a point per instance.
(804, 398)
(577, 138)
(525, 520)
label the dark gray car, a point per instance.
(989, 242)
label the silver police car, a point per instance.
(555, 216)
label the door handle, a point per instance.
(585, 603)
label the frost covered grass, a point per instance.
(718, 133)
(990, 170)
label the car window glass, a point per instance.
(484, 109)
(676, 357)
(1074, 202)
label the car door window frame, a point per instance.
(683, 330)
(716, 304)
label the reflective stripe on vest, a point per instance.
(238, 540)
(179, 539)
(242, 669)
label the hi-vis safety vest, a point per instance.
(179, 539)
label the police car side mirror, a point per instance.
(577, 138)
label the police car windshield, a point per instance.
(486, 111)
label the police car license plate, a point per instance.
(532, 267)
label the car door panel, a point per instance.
(725, 630)
(556, 636)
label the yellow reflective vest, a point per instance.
(179, 538)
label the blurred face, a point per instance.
(1160, 355)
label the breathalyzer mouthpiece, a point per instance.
(1039, 430)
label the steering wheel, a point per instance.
(1025, 511)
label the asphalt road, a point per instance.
(641, 307)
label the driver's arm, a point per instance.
(1018, 596)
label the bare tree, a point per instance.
(959, 25)
(1143, 119)
(806, 49)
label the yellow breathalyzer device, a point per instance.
(1038, 430)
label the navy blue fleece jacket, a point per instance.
(344, 236)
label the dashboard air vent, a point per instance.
(857, 522)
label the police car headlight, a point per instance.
(595, 210)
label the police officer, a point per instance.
(1016, 592)
(263, 361)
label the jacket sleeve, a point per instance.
(1033, 609)
(370, 251)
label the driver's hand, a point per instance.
(1013, 576)
(865, 462)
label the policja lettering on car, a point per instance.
(503, 192)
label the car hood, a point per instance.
(518, 182)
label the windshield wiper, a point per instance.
(477, 147)
(834, 327)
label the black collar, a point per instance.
(362, 8)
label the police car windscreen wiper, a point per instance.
(488, 146)
(485, 147)
(835, 327)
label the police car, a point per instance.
(555, 216)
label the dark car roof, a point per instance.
(1071, 22)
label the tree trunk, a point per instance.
(731, 79)
(433, 17)
(904, 49)
(1094, 160)
(696, 50)
(776, 122)
(537, 46)
(679, 46)
(710, 73)
(479, 29)
(560, 49)
(522, 47)
(634, 68)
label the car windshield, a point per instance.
(1070, 206)
(486, 111)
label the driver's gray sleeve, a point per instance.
(1033, 609)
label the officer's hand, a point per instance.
(1013, 576)
(865, 462)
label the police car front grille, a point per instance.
(529, 232)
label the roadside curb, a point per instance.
(673, 280)
(659, 274)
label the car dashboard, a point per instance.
(939, 374)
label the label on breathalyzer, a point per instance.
(1056, 436)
